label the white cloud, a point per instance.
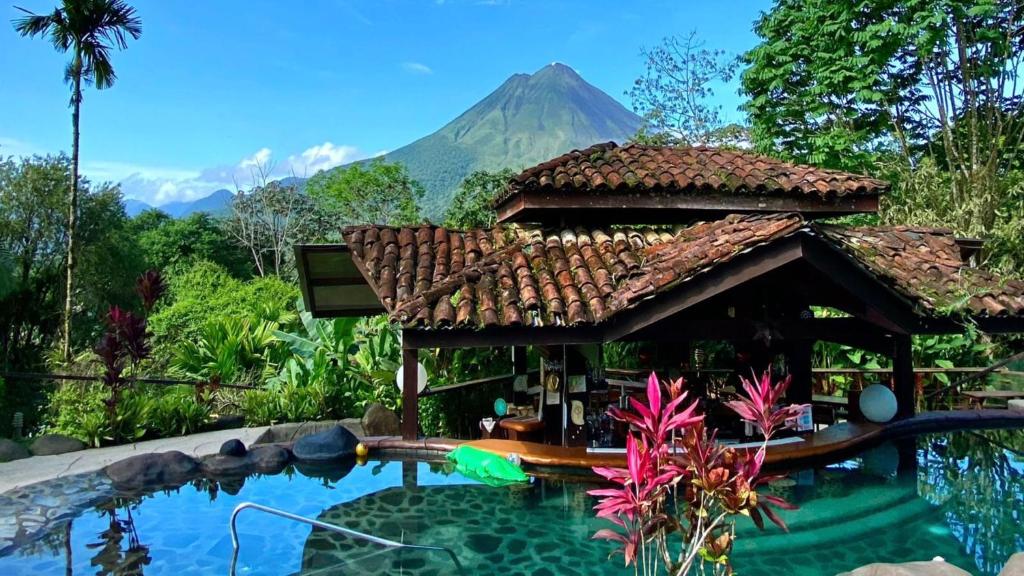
(158, 186)
(259, 159)
(417, 68)
(321, 157)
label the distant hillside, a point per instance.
(528, 119)
(217, 204)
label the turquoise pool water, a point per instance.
(960, 496)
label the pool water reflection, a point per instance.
(960, 496)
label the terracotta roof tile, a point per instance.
(925, 265)
(609, 167)
(430, 277)
(517, 275)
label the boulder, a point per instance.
(379, 421)
(292, 431)
(155, 470)
(1017, 404)
(331, 444)
(935, 567)
(232, 447)
(220, 465)
(1014, 566)
(49, 444)
(11, 450)
(268, 459)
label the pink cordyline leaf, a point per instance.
(758, 407)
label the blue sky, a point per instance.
(308, 85)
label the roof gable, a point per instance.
(700, 178)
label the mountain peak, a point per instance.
(556, 70)
(528, 119)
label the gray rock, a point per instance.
(156, 470)
(49, 444)
(932, 568)
(1014, 566)
(268, 459)
(292, 431)
(379, 421)
(233, 447)
(11, 450)
(217, 465)
(331, 444)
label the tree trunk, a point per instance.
(76, 102)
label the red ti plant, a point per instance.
(150, 287)
(675, 502)
(125, 341)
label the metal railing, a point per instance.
(332, 528)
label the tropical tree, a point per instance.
(675, 96)
(268, 221)
(374, 193)
(471, 207)
(88, 29)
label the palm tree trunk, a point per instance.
(72, 211)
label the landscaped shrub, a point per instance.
(206, 293)
(78, 410)
(178, 411)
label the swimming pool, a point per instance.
(957, 495)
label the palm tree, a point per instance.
(89, 29)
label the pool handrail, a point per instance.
(330, 527)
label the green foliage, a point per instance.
(458, 414)
(178, 411)
(33, 233)
(922, 196)
(79, 410)
(206, 293)
(376, 193)
(352, 360)
(471, 206)
(175, 244)
(229, 350)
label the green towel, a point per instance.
(483, 466)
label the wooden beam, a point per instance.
(885, 307)
(410, 393)
(504, 336)
(903, 377)
(654, 206)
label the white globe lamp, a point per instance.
(878, 403)
(421, 378)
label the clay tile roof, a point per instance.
(430, 277)
(609, 167)
(515, 275)
(924, 265)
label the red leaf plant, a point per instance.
(126, 341)
(680, 483)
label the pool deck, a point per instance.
(832, 443)
(27, 471)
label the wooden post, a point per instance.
(903, 384)
(801, 388)
(410, 394)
